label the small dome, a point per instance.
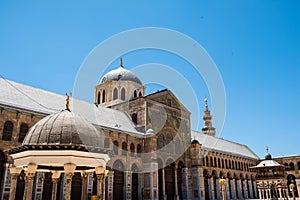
(268, 156)
(63, 128)
(120, 74)
(195, 141)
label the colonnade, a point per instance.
(68, 173)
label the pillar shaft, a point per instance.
(54, 188)
(176, 185)
(30, 177)
(84, 176)
(13, 186)
(99, 185)
(68, 185)
(163, 183)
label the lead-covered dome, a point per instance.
(120, 74)
(63, 128)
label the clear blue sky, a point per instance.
(254, 43)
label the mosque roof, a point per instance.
(25, 97)
(212, 143)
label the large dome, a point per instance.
(120, 74)
(63, 128)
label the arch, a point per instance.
(160, 142)
(22, 132)
(221, 174)
(132, 149)
(169, 179)
(20, 185)
(124, 148)
(116, 147)
(215, 162)
(139, 150)
(99, 98)
(103, 96)
(134, 94)
(134, 118)
(7, 131)
(180, 166)
(123, 94)
(206, 185)
(118, 182)
(115, 94)
(134, 182)
(219, 163)
(292, 179)
(292, 166)
(222, 163)
(140, 94)
(215, 176)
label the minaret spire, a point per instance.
(68, 101)
(207, 118)
(121, 62)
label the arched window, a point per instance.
(298, 164)
(215, 162)
(206, 161)
(103, 96)
(115, 95)
(99, 98)
(139, 150)
(124, 148)
(132, 149)
(116, 147)
(7, 131)
(134, 118)
(123, 94)
(134, 94)
(106, 143)
(22, 132)
(140, 94)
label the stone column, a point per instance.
(211, 187)
(227, 188)
(69, 169)
(280, 194)
(176, 185)
(163, 184)
(30, 174)
(14, 173)
(55, 179)
(110, 184)
(233, 194)
(128, 184)
(100, 170)
(84, 176)
(104, 184)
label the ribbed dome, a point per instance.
(63, 128)
(195, 141)
(120, 74)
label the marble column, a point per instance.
(55, 179)
(30, 174)
(128, 184)
(280, 193)
(227, 188)
(233, 193)
(110, 184)
(84, 176)
(104, 185)
(163, 184)
(69, 169)
(176, 185)
(99, 185)
(14, 173)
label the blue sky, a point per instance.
(255, 45)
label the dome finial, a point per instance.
(206, 103)
(121, 62)
(68, 101)
(267, 149)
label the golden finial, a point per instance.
(121, 62)
(68, 101)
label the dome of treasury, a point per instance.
(120, 74)
(63, 128)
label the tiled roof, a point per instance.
(268, 163)
(211, 143)
(42, 101)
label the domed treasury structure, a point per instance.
(62, 144)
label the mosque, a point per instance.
(125, 145)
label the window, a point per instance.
(160, 142)
(134, 94)
(116, 147)
(124, 148)
(106, 143)
(292, 167)
(7, 131)
(123, 94)
(115, 95)
(132, 149)
(139, 150)
(140, 94)
(22, 132)
(99, 98)
(103, 96)
(134, 118)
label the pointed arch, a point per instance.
(115, 94)
(99, 98)
(123, 94)
(134, 94)
(103, 96)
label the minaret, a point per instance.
(207, 118)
